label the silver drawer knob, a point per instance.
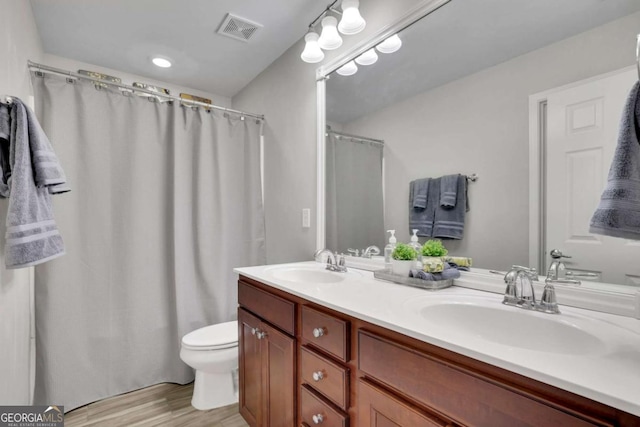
(318, 332)
(317, 376)
(317, 419)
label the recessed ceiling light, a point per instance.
(161, 62)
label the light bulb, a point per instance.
(161, 62)
(367, 58)
(390, 45)
(352, 22)
(348, 69)
(312, 52)
(329, 39)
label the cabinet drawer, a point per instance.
(466, 397)
(315, 411)
(378, 408)
(277, 311)
(325, 376)
(326, 332)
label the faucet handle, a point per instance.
(548, 303)
(557, 254)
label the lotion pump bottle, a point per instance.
(388, 250)
(415, 244)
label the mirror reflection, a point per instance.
(475, 88)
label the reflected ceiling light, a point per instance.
(330, 39)
(390, 45)
(312, 52)
(161, 62)
(348, 69)
(367, 58)
(352, 22)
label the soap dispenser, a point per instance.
(415, 244)
(388, 250)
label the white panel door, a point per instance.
(582, 132)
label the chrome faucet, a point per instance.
(520, 292)
(365, 253)
(333, 262)
(371, 251)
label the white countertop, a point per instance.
(610, 375)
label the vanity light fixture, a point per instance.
(352, 22)
(368, 58)
(161, 62)
(329, 38)
(312, 52)
(390, 45)
(348, 69)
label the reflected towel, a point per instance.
(30, 173)
(420, 188)
(618, 213)
(448, 190)
(422, 219)
(449, 223)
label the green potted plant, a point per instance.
(434, 248)
(403, 259)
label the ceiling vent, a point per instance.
(238, 28)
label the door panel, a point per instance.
(278, 353)
(582, 132)
(250, 369)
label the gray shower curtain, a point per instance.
(354, 196)
(165, 201)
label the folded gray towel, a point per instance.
(31, 172)
(420, 188)
(449, 222)
(422, 219)
(447, 273)
(448, 190)
(618, 213)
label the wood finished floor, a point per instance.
(159, 405)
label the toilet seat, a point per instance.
(213, 337)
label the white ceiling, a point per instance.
(462, 38)
(125, 34)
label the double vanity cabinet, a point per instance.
(304, 364)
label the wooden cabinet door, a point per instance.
(250, 369)
(278, 356)
(376, 408)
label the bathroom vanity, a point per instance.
(340, 349)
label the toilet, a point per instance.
(213, 352)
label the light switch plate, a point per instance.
(306, 218)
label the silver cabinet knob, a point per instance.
(261, 335)
(318, 375)
(318, 332)
(253, 331)
(317, 419)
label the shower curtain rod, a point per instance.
(360, 138)
(52, 70)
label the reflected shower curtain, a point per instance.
(354, 197)
(165, 201)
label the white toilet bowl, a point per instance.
(213, 352)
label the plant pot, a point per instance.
(402, 268)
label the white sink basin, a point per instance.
(309, 274)
(483, 320)
(515, 328)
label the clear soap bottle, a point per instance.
(388, 250)
(415, 244)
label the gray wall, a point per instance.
(286, 93)
(479, 124)
(19, 41)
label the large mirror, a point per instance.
(528, 96)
